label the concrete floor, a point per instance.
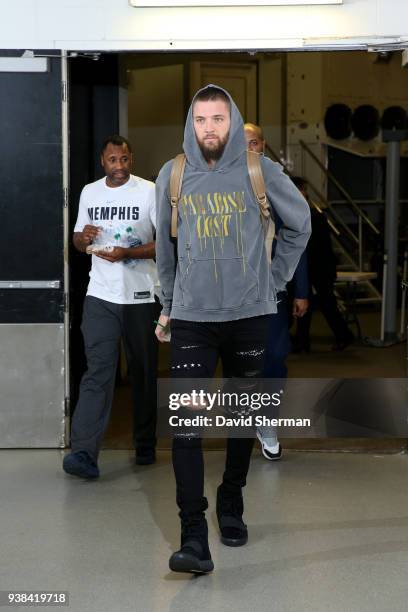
(327, 531)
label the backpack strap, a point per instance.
(258, 187)
(257, 182)
(176, 183)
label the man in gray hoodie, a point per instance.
(218, 291)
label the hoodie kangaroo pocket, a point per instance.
(221, 284)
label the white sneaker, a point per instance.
(271, 448)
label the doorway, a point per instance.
(147, 95)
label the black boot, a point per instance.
(194, 554)
(230, 507)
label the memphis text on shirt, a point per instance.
(109, 213)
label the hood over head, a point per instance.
(234, 148)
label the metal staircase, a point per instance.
(347, 245)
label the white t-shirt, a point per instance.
(127, 216)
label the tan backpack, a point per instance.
(258, 186)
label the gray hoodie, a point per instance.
(218, 270)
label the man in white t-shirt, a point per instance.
(116, 223)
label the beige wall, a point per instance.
(305, 84)
(155, 116)
(358, 78)
(271, 99)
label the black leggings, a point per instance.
(195, 349)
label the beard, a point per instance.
(213, 151)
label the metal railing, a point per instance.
(357, 239)
(321, 199)
(362, 218)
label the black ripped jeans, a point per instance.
(195, 349)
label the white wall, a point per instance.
(114, 25)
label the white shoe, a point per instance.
(271, 448)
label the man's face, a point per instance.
(116, 160)
(254, 141)
(212, 122)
